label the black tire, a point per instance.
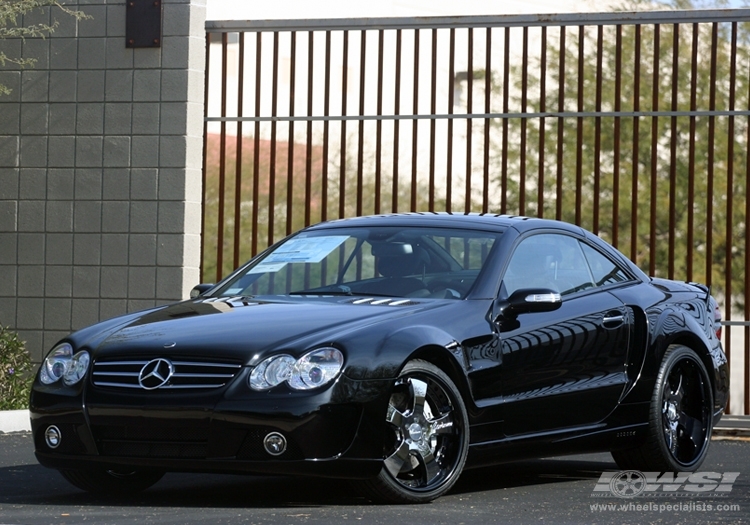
(112, 482)
(427, 438)
(680, 417)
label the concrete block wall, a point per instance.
(100, 170)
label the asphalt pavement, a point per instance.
(572, 489)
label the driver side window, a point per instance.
(549, 261)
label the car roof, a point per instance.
(452, 220)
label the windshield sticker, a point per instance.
(266, 267)
(309, 250)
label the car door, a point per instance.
(566, 367)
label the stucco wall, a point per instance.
(100, 170)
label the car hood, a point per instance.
(246, 329)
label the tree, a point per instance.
(611, 167)
(11, 11)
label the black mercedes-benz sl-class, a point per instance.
(395, 351)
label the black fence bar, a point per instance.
(256, 144)
(469, 111)
(415, 128)
(309, 143)
(361, 134)
(598, 126)
(673, 149)
(617, 145)
(747, 265)
(487, 106)
(238, 155)
(451, 94)
(524, 122)
(711, 146)
(636, 142)
(291, 137)
(542, 122)
(396, 124)
(654, 150)
(728, 281)
(433, 122)
(691, 148)
(560, 125)
(379, 133)
(579, 125)
(220, 223)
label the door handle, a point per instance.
(613, 321)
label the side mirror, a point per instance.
(527, 301)
(200, 289)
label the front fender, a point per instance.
(392, 352)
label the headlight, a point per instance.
(312, 370)
(316, 368)
(271, 372)
(76, 368)
(62, 364)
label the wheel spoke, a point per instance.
(394, 416)
(395, 462)
(428, 461)
(418, 391)
(692, 431)
(677, 393)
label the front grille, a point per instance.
(187, 374)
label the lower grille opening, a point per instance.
(135, 449)
(152, 442)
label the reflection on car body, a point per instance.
(394, 351)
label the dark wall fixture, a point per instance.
(143, 23)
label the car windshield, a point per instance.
(379, 261)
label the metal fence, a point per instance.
(634, 125)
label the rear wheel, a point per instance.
(681, 417)
(427, 437)
(112, 482)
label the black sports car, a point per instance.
(395, 351)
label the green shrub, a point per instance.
(15, 371)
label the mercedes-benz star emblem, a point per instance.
(155, 374)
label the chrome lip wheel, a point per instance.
(424, 454)
(686, 411)
(680, 417)
(425, 437)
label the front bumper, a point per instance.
(194, 433)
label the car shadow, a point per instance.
(533, 472)
(36, 485)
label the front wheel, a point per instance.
(112, 482)
(681, 417)
(427, 437)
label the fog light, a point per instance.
(52, 436)
(275, 444)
